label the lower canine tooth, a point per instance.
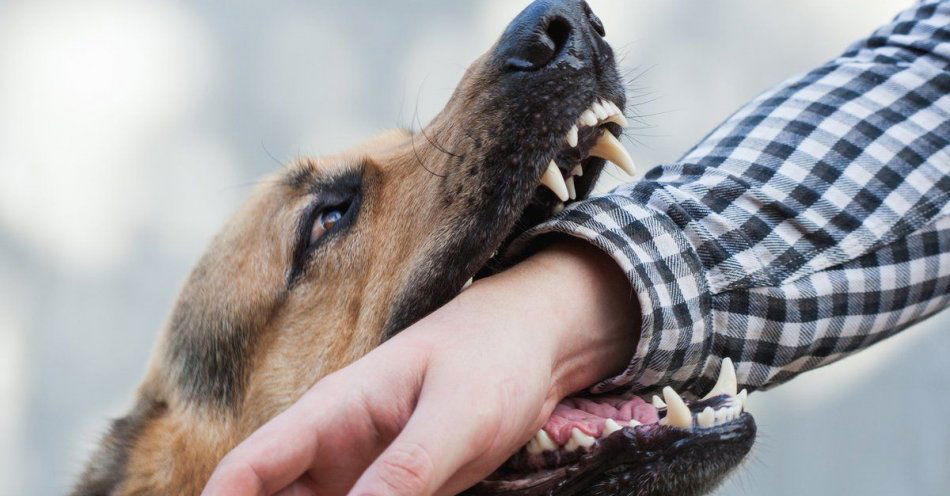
(468, 282)
(571, 191)
(609, 148)
(553, 180)
(677, 413)
(572, 136)
(610, 426)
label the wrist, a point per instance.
(576, 305)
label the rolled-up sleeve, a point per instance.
(809, 225)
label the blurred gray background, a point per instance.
(129, 129)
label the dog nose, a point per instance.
(545, 30)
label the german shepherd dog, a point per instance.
(336, 254)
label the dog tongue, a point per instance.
(589, 415)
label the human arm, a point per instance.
(808, 226)
(446, 401)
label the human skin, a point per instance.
(445, 402)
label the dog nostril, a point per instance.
(559, 31)
(595, 21)
(542, 47)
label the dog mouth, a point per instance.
(570, 175)
(590, 141)
(607, 445)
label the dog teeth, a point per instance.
(571, 192)
(468, 282)
(553, 180)
(707, 418)
(677, 413)
(540, 443)
(599, 111)
(610, 426)
(578, 170)
(726, 384)
(657, 402)
(743, 396)
(618, 119)
(608, 147)
(572, 136)
(588, 118)
(579, 440)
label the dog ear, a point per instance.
(106, 469)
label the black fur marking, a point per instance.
(210, 346)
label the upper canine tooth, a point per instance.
(726, 384)
(578, 170)
(553, 180)
(572, 136)
(609, 148)
(588, 118)
(599, 110)
(677, 413)
(610, 426)
(571, 191)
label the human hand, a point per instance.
(444, 403)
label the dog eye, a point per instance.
(325, 221)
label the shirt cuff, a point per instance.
(666, 274)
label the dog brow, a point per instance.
(301, 174)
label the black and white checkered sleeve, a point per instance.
(811, 224)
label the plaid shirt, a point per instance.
(810, 225)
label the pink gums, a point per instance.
(589, 415)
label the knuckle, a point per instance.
(406, 469)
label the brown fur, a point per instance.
(241, 345)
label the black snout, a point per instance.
(548, 31)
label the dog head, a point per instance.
(333, 255)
